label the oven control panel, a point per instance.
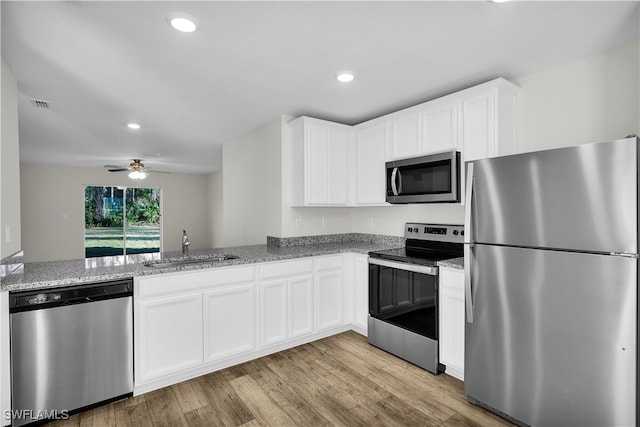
(438, 232)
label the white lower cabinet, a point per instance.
(329, 292)
(286, 301)
(170, 335)
(191, 323)
(229, 321)
(359, 286)
(451, 333)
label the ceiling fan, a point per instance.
(136, 169)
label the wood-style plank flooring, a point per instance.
(336, 381)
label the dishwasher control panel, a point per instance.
(43, 298)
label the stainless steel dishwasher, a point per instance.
(71, 348)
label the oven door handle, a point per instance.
(422, 269)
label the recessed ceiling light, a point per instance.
(345, 77)
(133, 125)
(184, 24)
(498, 1)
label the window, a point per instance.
(121, 221)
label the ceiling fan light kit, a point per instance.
(137, 175)
(136, 169)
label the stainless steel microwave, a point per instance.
(434, 178)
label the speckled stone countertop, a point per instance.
(452, 263)
(62, 273)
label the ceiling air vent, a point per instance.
(40, 103)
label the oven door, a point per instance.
(405, 295)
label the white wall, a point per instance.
(251, 183)
(53, 209)
(215, 212)
(9, 165)
(589, 100)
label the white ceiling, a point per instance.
(103, 64)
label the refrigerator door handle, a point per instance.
(468, 246)
(467, 283)
(468, 227)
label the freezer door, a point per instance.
(553, 338)
(577, 198)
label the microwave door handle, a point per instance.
(394, 189)
(399, 182)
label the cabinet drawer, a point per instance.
(166, 284)
(329, 262)
(286, 268)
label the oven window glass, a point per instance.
(404, 298)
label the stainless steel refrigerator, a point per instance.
(551, 259)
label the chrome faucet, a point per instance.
(185, 243)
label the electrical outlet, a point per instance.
(7, 234)
(370, 222)
(298, 223)
(324, 222)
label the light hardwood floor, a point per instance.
(337, 381)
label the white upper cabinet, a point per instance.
(406, 135)
(320, 162)
(370, 175)
(339, 165)
(489, 120)
(440, 126)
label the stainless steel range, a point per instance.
(403, 292)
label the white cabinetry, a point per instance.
(229, 321)
(370, 180)
(320, 162)
(5, 374)
(170, 335)
(489, 120)
(406, 136)
(191, 323)
(440, 123)
(358, 268)
(183, 321)
(452, 320)
(329, 292)
(286, 300)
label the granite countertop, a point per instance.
(61, 273)
(38, 275)
(452, 263)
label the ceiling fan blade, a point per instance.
(118, 170)
(155, 171)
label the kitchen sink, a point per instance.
(177, 262)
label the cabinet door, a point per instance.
(405, 136)
(229, 321)
(338, 167)
(371, 144)
(169, 335)
(479, 126)
(330, 299)
(316, 164)
(300, 304)
(361, 291)
(452, 321)
(440, 127)
(273, 309)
